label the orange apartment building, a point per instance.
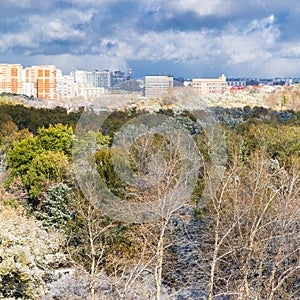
(11, 78)
(44, 80)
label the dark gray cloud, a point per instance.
(183, 37)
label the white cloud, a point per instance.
(204, 8)
(290, 50)
(69, 62)
(155, 46)
(201, 7)
(237, 45)
(279, 67)
(92, 3)
(61, 27)
(252, 43)
(21, 3)
(11, 40)
(236, 41)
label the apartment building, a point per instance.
(103, 79)
(64, 86)
(43, 79)
(204, 86)
(236, 82)
(157, 85)
(11, 78)
(28, 87)
(118, 78)
(83, 81)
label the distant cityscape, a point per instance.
(48, 82)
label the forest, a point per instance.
(241, 242)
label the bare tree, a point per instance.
(165, 181)
(254, 237)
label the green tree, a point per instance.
(42, 160)
(56, 211)
(57, 138)
(46, 168)
(19, 158)
(105, 168)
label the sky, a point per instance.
(183, 38)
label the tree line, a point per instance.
(244, 244)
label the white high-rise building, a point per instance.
(28, 89)
(65, 86)
(83, 80)
(103, 79)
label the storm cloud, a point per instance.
(185, 37)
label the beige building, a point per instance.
(43, 79)
(156, 86)
(204, 86)
(11, 78)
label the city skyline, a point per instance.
(184, 38)
(48, 82)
